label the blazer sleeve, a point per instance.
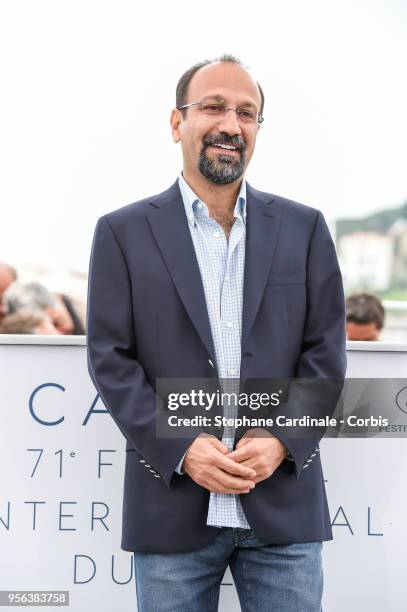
(112, 356)
(323, 353)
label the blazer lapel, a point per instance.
(170, 228)
(262, 227)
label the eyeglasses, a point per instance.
(216, 107)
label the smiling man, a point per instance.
(214, 279)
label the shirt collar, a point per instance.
(190, 200)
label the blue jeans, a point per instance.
(268, 577)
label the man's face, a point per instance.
(201, 134)
(5, 281)
(362, 331)
(60, 317)
(46, 327)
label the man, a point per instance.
(8, 274)
(214, 279)
(35, 296)
(27, 321)
(364, 317)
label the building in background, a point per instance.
(372, 253)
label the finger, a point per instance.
(234, 483)
(243, 441)
(239, 454)
(258, 479)
(221, 447)
(233, 467)
(214, 441)
(251, 463)
(218, 487)
(262, 475)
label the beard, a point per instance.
(224, 168)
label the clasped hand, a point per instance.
(213, 466)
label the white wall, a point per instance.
(88, 85)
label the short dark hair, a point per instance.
(364, 308)
(183, 83)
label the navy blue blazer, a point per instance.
(147, 318)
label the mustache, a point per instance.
(234, 141)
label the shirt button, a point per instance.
(200, 205)
(216, 234)
(191, 217)
(228, 278)
(232, 371)
(229, 324)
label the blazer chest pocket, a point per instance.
(287, 278)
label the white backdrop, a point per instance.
(88, 87)
(61, 463)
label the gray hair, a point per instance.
(27, 295)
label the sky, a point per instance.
(88, 87)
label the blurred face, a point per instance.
(61, 318)
(46, 327)
(218, 148)
(362, 331)
(5, 281)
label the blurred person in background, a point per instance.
(26, 321)
(8, 275)
(69, 318)
(36, 296)
(364, 317)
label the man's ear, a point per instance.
(175, 122)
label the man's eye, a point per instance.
(245, 114)
(212, 108)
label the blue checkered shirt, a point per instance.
(221, 263)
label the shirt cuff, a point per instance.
(178, 468)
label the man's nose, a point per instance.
(229, 123)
